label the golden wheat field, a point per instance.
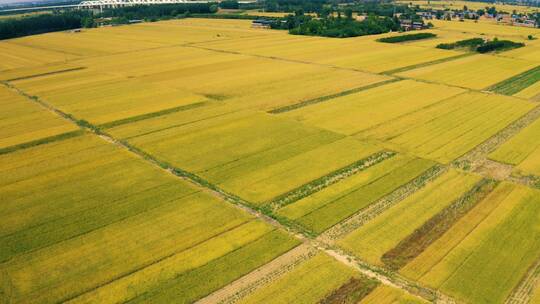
(207, 161)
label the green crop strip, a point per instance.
(46, 74)
(517, 83)
(327, 180)
(120, 122)
(41, 141)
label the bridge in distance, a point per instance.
(101, 4)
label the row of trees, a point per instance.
(59, 21)
(18, 27)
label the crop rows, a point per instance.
(205, 160)
(517, 83)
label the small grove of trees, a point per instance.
(409, 37)
(229, 4)
(498, 45)
(310, 6)
(472, 44)
(339, 26)
(482, 46)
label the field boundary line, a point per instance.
(317, 100)
(363, 216)
(523, 291)
(329, 179)
(425, 64)
(145, 116)
(46, 74)
(41, 141)
(426, 107)
(287, 60)
(240, 204)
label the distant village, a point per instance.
(513, 18)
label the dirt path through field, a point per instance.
(261, 276)
(523, 292)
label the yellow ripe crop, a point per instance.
(258, 156)
(101, 212)
(101, 98)
(475, 72)
(15, 56)
(442, 132)
(310, 282)
(331, 205)
(367, 109)
(22, 120)
(388, 295)
(378, 236)
(361, 53)
(461, 263)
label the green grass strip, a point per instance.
(41, 141)
(413, 245)
(329, 97)
(132, 119)
(424, 64)
(46, 74)
(517, 83)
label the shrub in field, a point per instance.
(472, 44)
(404, 38)
(499, 45)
